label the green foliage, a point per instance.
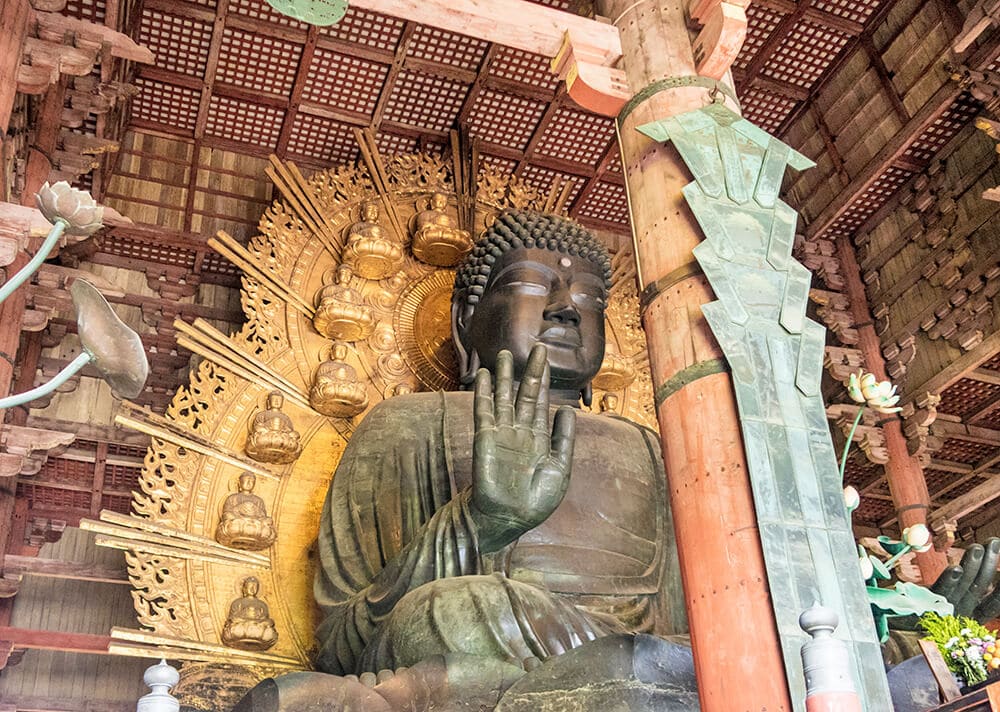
(968, 647)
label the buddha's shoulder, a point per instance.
(417, 407)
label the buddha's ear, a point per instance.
(587, 394)
(461, 320)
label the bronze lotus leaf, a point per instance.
(115, 349)
(81, 213)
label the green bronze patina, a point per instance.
(503, 551)
(775, 355)
(316, 12)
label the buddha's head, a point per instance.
(247, 482)
(250, 587)
(533, 278)
(439, 201)
(369, 211)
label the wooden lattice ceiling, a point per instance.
(235, 79)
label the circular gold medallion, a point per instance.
(422, 322)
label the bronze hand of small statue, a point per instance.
(520, 470)
(970, 585)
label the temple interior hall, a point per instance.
(244, 158)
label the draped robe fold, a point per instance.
(396, 521)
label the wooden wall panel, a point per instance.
(75, 607)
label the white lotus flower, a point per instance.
(878, 395)
(82, 215)
(918, 536)
(851, 498)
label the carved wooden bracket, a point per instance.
(983, 14)
(835, 312)
(819, 256)
(603, 90)
(67, 45)
(867, 435)
(898, 356)
(918, 416)
(724, 28)
(840, 362)
(967, 314)
(25, 450)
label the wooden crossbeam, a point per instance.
(898, 144)
(55, 568)
(513, 23)
(56, 640)
(23, 703)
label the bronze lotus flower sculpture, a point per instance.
(115, 350)
(62, 202)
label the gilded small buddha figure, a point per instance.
(336, 391)
(244, 523)
(436, 239)
(368, 251)
(341, 314)
(609, 404)
(249, 625)
(616, 373)
(272, 437)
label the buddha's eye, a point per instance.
(526, 287)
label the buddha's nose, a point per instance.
(561, 309)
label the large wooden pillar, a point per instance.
(736, 650)
(14, 15)
(903, 473)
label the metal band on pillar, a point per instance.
(668, 83)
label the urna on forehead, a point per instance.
(525, 229)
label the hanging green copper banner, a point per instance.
(315, 12)
(775, 355)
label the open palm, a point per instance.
(520, 469)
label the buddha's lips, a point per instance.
(561, 336)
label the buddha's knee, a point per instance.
(488, 616)
(466, 614)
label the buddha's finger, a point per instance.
(971, 563)
(983, 579)
(563, 436)
(947, 581)
(990, 606)
(527, 392)
(503, 399)
(541, 423)
(483, 404)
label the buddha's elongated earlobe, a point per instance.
(587, 394)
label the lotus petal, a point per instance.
(117, 351)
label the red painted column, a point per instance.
(736, 650)
(903, 472)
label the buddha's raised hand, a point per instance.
(520, 469)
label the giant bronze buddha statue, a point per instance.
(498, 543)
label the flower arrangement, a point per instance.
(969, 649)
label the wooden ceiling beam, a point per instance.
(781, 88)
(984, 375)
(945, 428)
(877, 63)
(871, 24)
(59, 569)
(960, 366)
(610, 153)
(298, 88)
(180, 8)
(774, 41)
(543, 124)
(477, 86)
(405, 38)
(56, 640)
(527, 26)
(901, 141)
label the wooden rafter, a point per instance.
(930, 112)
